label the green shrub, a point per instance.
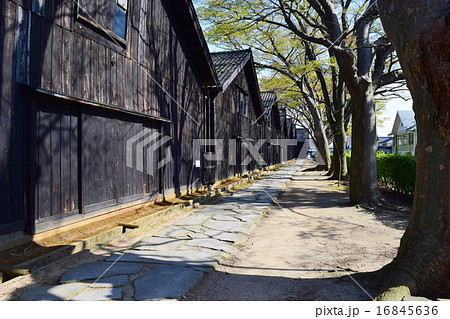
(397, 172)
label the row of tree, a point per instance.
(331, 59)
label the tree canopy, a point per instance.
(334, 53)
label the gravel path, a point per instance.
(305, 248)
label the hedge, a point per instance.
(397, 172)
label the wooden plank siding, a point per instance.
(230, 124)
(57, 71)
(72, 95)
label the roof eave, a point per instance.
(200, 50)
(257, 93)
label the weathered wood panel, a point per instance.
(231, 124)
(78, 65)
(56, 66)
(55, 157)
(67, 63)
(38, 7)
(75, 157)
(152, 45)
(129, 179)
(6, 90)
(46, 54)
(101, 76)
(66, 159)
(86, 69)
(19, 111)
(44, 160)
(22, 36)
(35, 50)
(67, 14)
(151, 174)
(99, 159)
(94, 83)
(121, 84)
(57, 139)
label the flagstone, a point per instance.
(101, 268)
(164, 282)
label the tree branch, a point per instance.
(389, 78)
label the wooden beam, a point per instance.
(94, 104)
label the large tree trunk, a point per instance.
(363, 174)
(420, 33)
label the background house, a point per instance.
(404, 133)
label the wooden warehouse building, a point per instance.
(77, 82)
(238, 110)
(95, 95)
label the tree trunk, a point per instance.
(339, 167)
(420, 33)
(363, 176)
(318, 128)
(323, 149)
(333, 164)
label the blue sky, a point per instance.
(392, 106)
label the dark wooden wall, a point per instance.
(230, 124)
(274, 133)
(70, 98)
(13, 113)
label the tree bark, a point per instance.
(420, 33)
(357, 72)
(363, 176)
(322, 145)
(318, 125)
(340, 170)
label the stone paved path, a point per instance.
(167, 264)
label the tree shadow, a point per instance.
(62, 281)
(46, 277)
(246, 287)
(335, 197)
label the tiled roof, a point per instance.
(229, 64)
(384, 139)
(267, 100)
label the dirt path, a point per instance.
(304, 250)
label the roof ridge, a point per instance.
(232, 51)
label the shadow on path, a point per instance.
(236, 287)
